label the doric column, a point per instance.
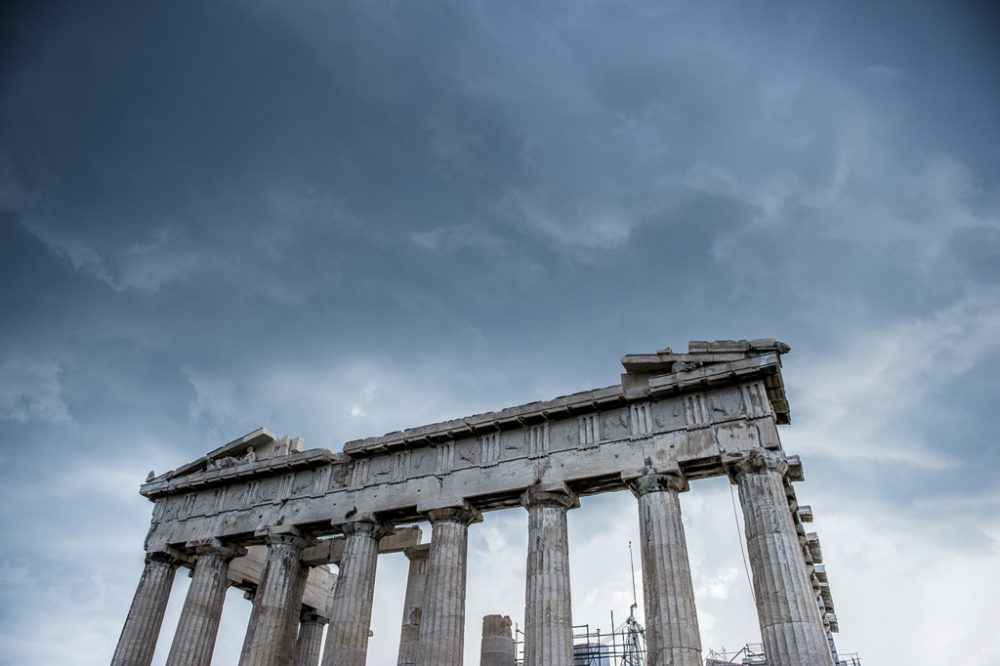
(442, 622)
(790, 623)
(270, 638)
(548, 609)
(351, 614)
(310, 641)
(413, 604)
(671, 623)
(194, 640)
(498, 643)
(142, 626)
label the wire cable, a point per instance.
(739, 537)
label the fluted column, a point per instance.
(145, 616)
(498, 642)
(270, 638)
(672, 637)
(790, 623)
(442, 622)
(310, 641)
(194, 640)
(351, 614)
(548, 611)
(413, 604)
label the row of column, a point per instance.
(434, 618)
(280, 630)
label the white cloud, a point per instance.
(883, 71)
(333, 399)
(852, 402)
(162, 259)
(30, 390)
(584, 232)
(457, 238)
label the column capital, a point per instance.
(166, 555)
(559, 496)
(364, 527)
(752, 461)
(286, 534)
(672, 481)
(312, 615)
(464, 514)
(419, 552)
(216, 547)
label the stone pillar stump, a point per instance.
(498, 642)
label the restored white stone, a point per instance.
(246, 573)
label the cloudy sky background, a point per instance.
(339, 219)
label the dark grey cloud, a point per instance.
(339, 219)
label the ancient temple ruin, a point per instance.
(268, 516)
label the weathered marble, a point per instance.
(194, 639)
(672, 637)
(442, 623)
(548, 608)
(310, 640)
(270, 638)
(142, 626)
(700, 412)
(413, 603)
(498, 642)
(790, 624)
(351, 614)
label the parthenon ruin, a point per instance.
(265, 515)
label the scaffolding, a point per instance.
(624, 645)
(752, 654)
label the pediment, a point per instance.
(253, 447)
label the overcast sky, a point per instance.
(336, 219)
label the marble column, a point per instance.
(498, 642)
(270, 638)
(413, 604)
(142, 626)
(442, 622)
(310, 641)
(548, 611)
(672, 637)
(194, 639)
(790, 624)
(351, 613)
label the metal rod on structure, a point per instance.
(631, 561)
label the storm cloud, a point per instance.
(340, 219)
